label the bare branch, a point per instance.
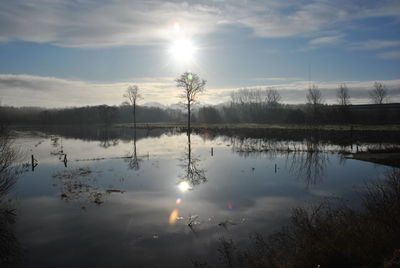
(314, 96)
(379, 94)
(192, 85)
(132, 94)
(343, 95)
(273, 97)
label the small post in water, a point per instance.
(34, 163)
(65, 160)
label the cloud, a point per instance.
(96, 24)
(375, 44)
(294, 92)
(326, 40)
(88, 23)
(390, 55)
(28, 90)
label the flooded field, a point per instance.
(163, 199)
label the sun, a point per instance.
(182, 50)
(184, 186)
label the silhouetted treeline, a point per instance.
(260, 112)
(102, 114)
(300, 114)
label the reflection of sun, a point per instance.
(183, 186)
(182, 50)
(177, 27)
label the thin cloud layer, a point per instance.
(28, 90)
(376, 44)
(88, 23)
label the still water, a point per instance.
(163, 200)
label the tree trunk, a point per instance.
(134, 115)
(188, 124)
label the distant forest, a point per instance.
(235, 112)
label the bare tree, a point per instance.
(343, 95)
(379, 93)
(272, 97)
(314, 96)
(133, 95)
(315, 100)
(192, 85)
(247, 96)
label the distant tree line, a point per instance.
(101, 114)
(246, 106)
(264, 106)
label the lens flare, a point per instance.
(173, 216)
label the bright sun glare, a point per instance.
(182, 50)
(183, 186)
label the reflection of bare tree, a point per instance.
(7, 157)
(194, 175)
(133, 160)
(266, 147)
(308, 159)
(105, 139)
(9, 247)
(309, 165)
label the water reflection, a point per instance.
(107, 139)
(133, 160)
(106, 135)
(309, 166)
(152, 223)
(9, 246)
(194, 174)
(308, 160)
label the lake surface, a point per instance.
(162, 200)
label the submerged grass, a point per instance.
(331, 235)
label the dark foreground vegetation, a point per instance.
(330, 234)
(9, 246)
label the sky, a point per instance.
(64, 53)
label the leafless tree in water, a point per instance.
(192, 86)
(132, 94)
